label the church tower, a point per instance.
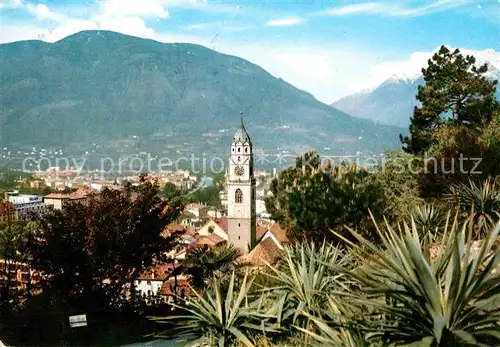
(241, 192)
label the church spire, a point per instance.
(241, 119)
(241, 134)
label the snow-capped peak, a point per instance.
(408, 71)
(404, 77)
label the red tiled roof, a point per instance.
(71, 196)
(266, 251)
(160, 271)
(274, 228)
(222, 222)
(210, 240)
(175, 227)
(83, 191)
(169, 229)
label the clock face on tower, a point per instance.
(239, 170)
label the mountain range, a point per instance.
(103, 87)
(392, 101)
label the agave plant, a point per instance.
(302, 280)
(453, 301)
(218, 319)
(482, 199)
(428, 218)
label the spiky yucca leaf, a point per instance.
(428, 219)
(453, 301)
(218, 319)
(337, 331)
(481, 199)
(302, 281)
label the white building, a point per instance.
(27, 205)
(148, 286)
(223, 199)
(261, 193)
(260, 207)
(194, 208)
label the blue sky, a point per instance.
(328, 48)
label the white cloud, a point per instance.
(12, 4)
(125, 16)
(199, 26)
(368, 7)
(393, 9)
(285, 22)
(42, 12)
(13, 33)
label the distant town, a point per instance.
(70, 185)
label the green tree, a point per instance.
(220, 180)
(208, 195)
(309, 198)
(88, 253)
(455, 91)
(398, 178)
(12, 243)
(171, 190)
(460, 154)
(490, 143)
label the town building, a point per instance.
(59, 201)
(223, 199)
(25, 205)
(194, 208)
(260, 207)
(151, 280)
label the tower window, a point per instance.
(238, 196)
(239, 237)
(239, 225)
(233, 149)
(246, 150)
(239, 149)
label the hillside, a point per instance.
(99, 86)
(390, 103)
